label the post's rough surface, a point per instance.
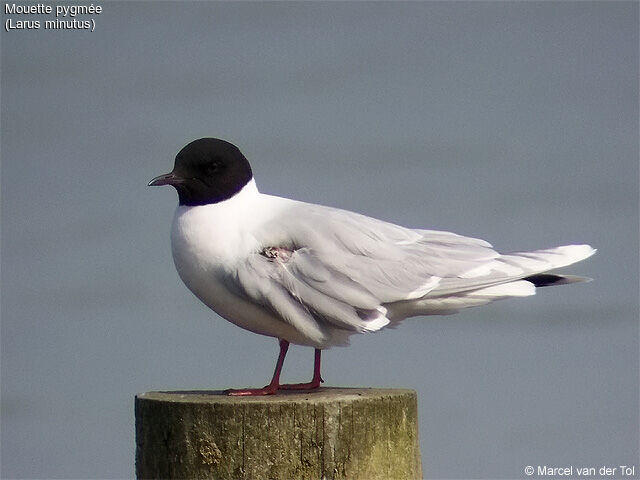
(333, 433)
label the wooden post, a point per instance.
(333, 433)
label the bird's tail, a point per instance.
(510, 275)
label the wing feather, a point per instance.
(256, 280)
(353, 273)
(307, 301)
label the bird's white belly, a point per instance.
(205, 258)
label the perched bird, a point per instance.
(314, 275)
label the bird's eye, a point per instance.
(213, 167)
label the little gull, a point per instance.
(314, 275)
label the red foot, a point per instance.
(312, 385)
(250, 392)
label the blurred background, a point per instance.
(516, 122)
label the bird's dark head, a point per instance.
(208, 170)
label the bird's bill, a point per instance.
(166, 179)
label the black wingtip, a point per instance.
(550, 279)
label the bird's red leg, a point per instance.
(317, 379)
(275, 381)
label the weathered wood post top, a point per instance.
(332, 433)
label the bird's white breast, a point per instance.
(211, 236)
(208, 242)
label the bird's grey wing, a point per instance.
(391, 262)
(401, 264)
(309, 295)
(317, 266)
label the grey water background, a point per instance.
(512, 122)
